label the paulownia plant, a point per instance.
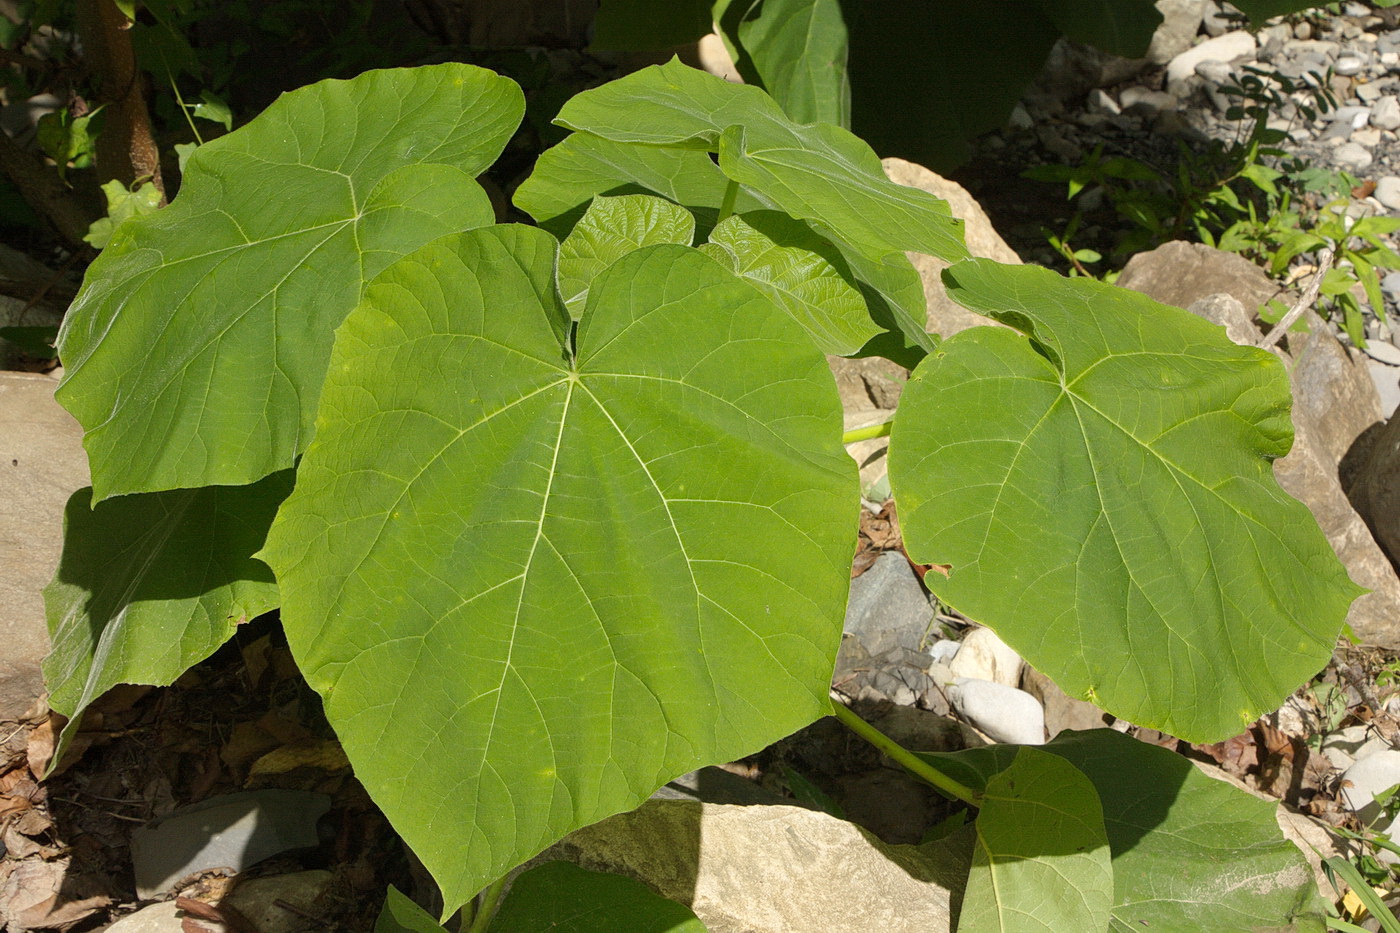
(554, 513)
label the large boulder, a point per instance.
(1376, 490)
(1181, 273)
(776, 869)
(42, 455)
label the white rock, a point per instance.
(1387, 381)
(1388, 191)
(158, 918)
(1227, 48)
(1381, 351)
(1360, 785)
(1354, 116)
(715, 58)
(1146, 101)
(1003, 713)
(1385, 113)
(944, 650)
(984, 656)
(1348, 65)
(1343, 747)
(1100, 101)
(1351, 156)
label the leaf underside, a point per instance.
(561, 581)
(1104, 494)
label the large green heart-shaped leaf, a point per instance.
(1119, 27)
(149, 585)
(816, 172)
(568, 176)
(1189, 852)
(1041, 862)
(796, 51)
(561, 897)
(533, 585)
(1102, 490)
(803, 273)
(197, 346)
(610, 229)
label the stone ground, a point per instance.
(243, 721)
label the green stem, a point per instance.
(868, 433)
(726, 207)
(199, 140)
(912, 763)
(490, 899)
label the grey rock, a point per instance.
(1388, 193)
(1376, 490)
(1361, 783)
(1062, 711)
(1004, 714)
(1230, 47)
(1372, 91)
(1303, 30)
(778, 869)
(1219, 19)
(1390, 285)
(1387, 380)
(945, 316)
(888, 607)
(1383, 352)
(1385, 113)
(158, 918)
(1101, 101)
(1348, 66)
(44, 463)
(1354, 116)
(1181, 19)
(1226, 311)
(229, 831)
(1180, 273)
(280, 903)
(984, 656)
(1351, 156)
(1020, 118)
(1343, 747)
(1146, 102)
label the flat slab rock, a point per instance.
(776, 869)
(42, 456)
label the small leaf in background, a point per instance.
(183, 151)
(33, 341)
(542, 541)
(564, 898)
(1119, 27)
(1102, 487)
(644, 25)
(149, 585)
(69, 140)
(1041, 863)
(242, 280)
(802, 272)
(122, 205)
(401, 915)
(211, 107)
(610, 229)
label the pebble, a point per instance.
(1348, 65)
(1388, 191)
(944, 650)
(1351, 156)
(1385, 113)
(1145, 101)
(984, 656)
(1383, 352)
(1343, 747)
(1100, 101)
(1002, 713)
(1226, 48)
(1356, 117)
(1361, 783)
(1390, 285)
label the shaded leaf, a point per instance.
(1118, 27)
(1104, 493)
(801, 272)
(1189, 852)
(543, 547)
(610, 229)
(643, 25)
(149, 585)
(1041, 862)
(562, 897)
(796, 49)
(243, 279)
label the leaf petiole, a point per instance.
(726, 207)
(908, 760)
(869, 432)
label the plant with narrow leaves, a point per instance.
(494, 477)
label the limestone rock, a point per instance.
(1180, 21)
(1062, 711)
(1230, 47)
(984, 656)
(42, 455)
(1003, 713)
(888, 607)
(1181, 273)
(776, 869)
(1376, 491)
(158, 918)
(1227, 311)
(945, 316)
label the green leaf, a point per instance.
(122, 205)
(1119, 27)
(1102, 490)
(796, 49)
(804, 274)
(1190, 852)
(32, 340)
(1041, 862)
(820, 173)
(541, 543)
(242, 280)
(213, 108)
(560, 896)
(401, 915)
(610, 229)
(568, 176)
(643, 25)
(150, 585)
